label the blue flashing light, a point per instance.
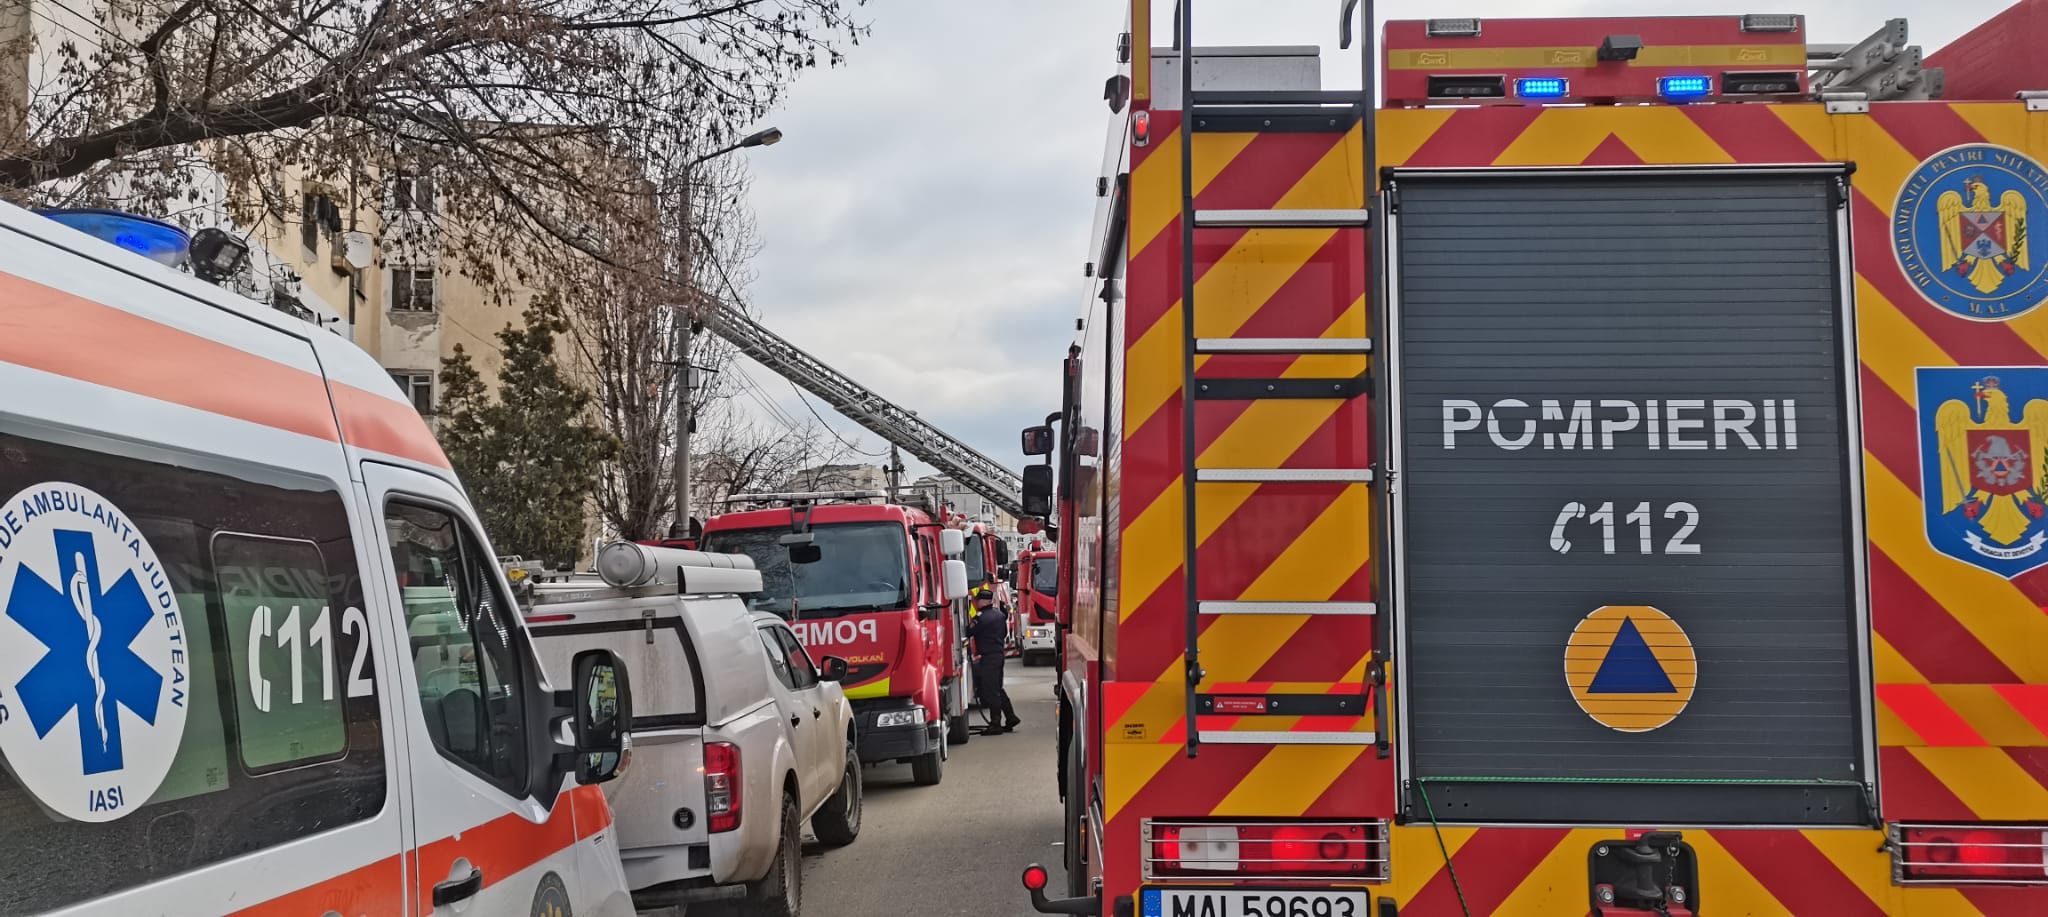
(1685, 87)
(153, 239)
(1543, 87)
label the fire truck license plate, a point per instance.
(1218, 902)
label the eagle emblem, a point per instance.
(1984, 243)
(1960, 231)
(1984, 478)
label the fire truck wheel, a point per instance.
(838, 822)
(958, 731)
(930, 768)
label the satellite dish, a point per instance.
(356, 249)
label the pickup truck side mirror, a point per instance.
(604, 709)
(834, 669)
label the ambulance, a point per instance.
(257, 656)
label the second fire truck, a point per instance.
(880, 586)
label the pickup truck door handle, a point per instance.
(463, 889)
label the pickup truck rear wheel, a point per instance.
(838, 822)
(780, 892)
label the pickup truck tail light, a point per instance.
(1267, 851)
(1970, 854)
(722, 785)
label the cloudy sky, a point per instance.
(925, 222)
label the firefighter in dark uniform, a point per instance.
(990, 629)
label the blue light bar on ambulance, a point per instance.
(1543, 87)
(1685, 87)
(153, 239)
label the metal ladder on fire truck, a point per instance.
(1228, 110)
(898, 425)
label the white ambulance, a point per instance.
(256, 655)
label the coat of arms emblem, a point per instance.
(1960, 231)
(1983, 438)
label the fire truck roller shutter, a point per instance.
(1628, 539)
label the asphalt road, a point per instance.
(956, 849)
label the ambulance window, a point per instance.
(160, 564)
(289, 681)
(464, 654)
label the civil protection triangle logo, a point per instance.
(93, 672)
(1983, 479)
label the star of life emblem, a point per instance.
(94, 678)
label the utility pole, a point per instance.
(687, 325)
(686, 372)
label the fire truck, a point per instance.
(1037, 604)
(879, 585)
(1593, 469)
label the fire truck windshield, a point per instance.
(1045, 576)
(862, 567)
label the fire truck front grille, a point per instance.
(1211, 850)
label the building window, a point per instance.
(411, 192)
(319, 213)
(418, 388)
(412, 289)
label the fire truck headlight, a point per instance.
(893, 719)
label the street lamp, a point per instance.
(687, 329)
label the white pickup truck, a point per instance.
(736, 738)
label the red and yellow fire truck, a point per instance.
(1037, 604)
(1605, 476)
(875, 584)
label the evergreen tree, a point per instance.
(529, 457)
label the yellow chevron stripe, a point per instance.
(1126, 769)
(1882, 164)
(1155, 183)
(1234, 648)
(1402, 133)
(2002, 123)
(1821, 131)
(1860, 856)
(1891, 667)
(1288, 780)
(1735, 890)
(1570, 135)
(1987, 780)
(1418, 858)
(2009, 626)
(1991, 715)
(1892, 731)
(1890, 344)
(1558, 883)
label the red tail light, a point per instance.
(722, 799)
(1299, 850)
(1973, 854)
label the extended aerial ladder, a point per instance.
(880, 416)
